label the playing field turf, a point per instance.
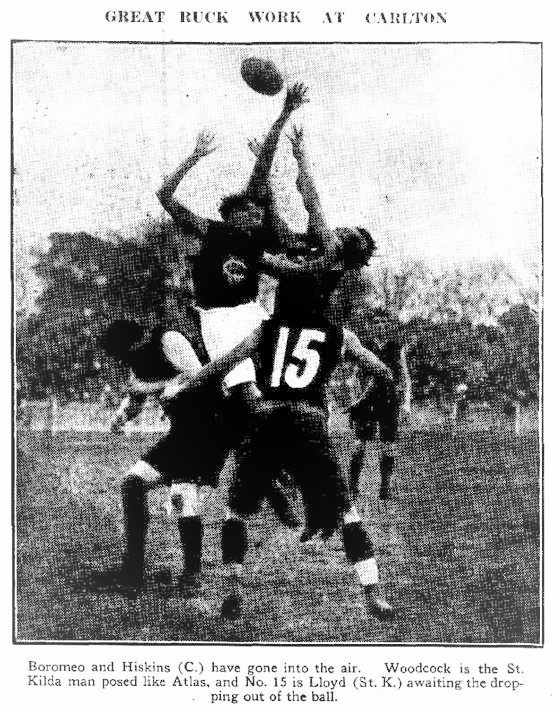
(459, 550)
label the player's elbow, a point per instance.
(163, 195)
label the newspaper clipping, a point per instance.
(277, 356)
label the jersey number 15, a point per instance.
(303, 362)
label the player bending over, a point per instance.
(376, 414)
(190, 455)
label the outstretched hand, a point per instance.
(297, 95)
(296, 139)
(204, 144)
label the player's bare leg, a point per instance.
(359, 552)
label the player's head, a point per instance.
(243, 212)
(121, 337)
(357, 246)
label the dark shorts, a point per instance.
(291, 437)
(189, 454)
(237, 411)
(376, 418)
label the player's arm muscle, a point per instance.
(137, 388)
(305, 183)
(281, 266)
(166, 194)
(179, 212)
(277, 225)
(219, 367)
(257, 186)
(176, 348)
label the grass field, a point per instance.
(459, 550)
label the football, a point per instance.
(262, 76)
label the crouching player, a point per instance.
(295, 351)
(376, 414)
(190, 455)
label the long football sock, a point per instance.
(359, 551)
(386, 466)
(356, 465)
(234, 541)
(191, 531)
(135, 510)
(234, 544)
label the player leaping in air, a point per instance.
(296, 350)
(226, 270)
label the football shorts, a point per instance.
(377, 417)
(189, 455)
(292, 437)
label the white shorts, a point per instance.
(223, 328)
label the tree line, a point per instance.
(476, 325)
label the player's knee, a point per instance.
(142, 472)
(185, 499)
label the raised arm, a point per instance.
(280, 265)
(278, 226)
(317, 223)
(166, 194)
(258, 184)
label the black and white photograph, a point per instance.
(277, 337)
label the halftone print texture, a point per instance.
(435, 149)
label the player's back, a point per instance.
(296, 356)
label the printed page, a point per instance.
(277, 347)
